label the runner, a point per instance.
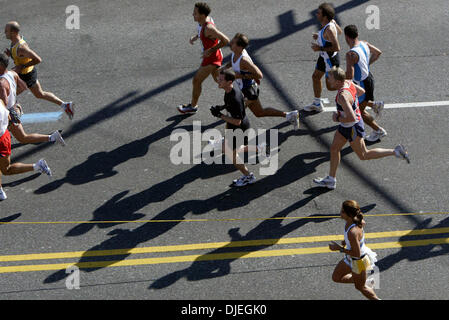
(328, 46)
(351, 128)
(358, 257)
(358, 60)
(247, 74)
(26, 60)
(9, 83)
(235, 106)
(6, 167)
(213, 40)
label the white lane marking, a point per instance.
(405, 105)
(41, 117)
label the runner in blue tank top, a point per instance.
(358, 61)
(328, 47)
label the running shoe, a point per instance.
(69, 109)
(2, 195)
(401, 153)
(378, 107)
(42, 167)
(244, 180)
(187, 109)
(316, 105)
(376, 135)
(57, 137)
(327, 182)
(293, 118)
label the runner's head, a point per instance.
(201, 11)
(226, 78)
(351, 34)
(239, 42)
(325, 13)
(337, 77)
(4, 60)
(350, 210)
(12, 28)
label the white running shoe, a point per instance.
(401, 153)
(327, 182)
(378, 107)
(293, 118)
(187, 109)
(2, 195)
(69, 109)
(56, 136)
(244, 180)
(42, 167)
(316, 105)
(376, 135)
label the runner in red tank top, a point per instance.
(215, 57)
(213, 40)
(351, 128)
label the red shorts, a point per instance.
(215, 59)
(5, 144)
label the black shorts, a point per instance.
(333, 61)
(30, 78)
(251, 93)
(352, 132)
(243, 126)
(368, 85)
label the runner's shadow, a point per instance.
(10, 218)
(19, 182)
(417, 253)
(102, 165)
(120, 208)
(206, 268)
(273, 228)
(164, 221)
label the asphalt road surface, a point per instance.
(140, 227)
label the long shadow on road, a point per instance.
(417, 253)
(206, 268)
(102, 165)
(119, 207)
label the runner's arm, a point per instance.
(245, 64)
(339, 31)
(360, 90)
(332, 38)
(375, 53)
(26, 52)
(213, 33)
(21, 85)
(344, 99)
(355, 244)
(351, 60)
(3, 95)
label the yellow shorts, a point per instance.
(358, 266)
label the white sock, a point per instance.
(51, 139)
(35, 167)
(331, 178)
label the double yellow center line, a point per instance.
(259, 253)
